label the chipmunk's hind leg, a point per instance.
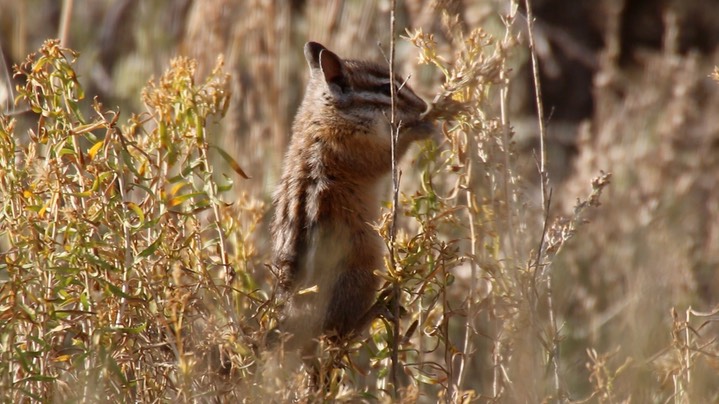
(352, 297)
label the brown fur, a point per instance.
(324, 246)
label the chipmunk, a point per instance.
(325, 248)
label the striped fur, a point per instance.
(324, 247)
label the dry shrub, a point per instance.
(653, 248)
(118, 281)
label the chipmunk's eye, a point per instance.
(385, 89)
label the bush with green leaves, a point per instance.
(118, 282)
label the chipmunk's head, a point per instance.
(360, 93)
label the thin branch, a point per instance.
(394, 130)
(538, 98)
(471, 308)
(7, 83)
(499, 375)
(64, 30)
(506, 135)
(545, 228)
(544, 183)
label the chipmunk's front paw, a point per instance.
(385, 305)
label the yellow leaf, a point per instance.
(95, 148)
(62, 358)
(177, 187)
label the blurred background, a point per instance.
(626, 89)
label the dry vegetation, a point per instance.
(133, 239)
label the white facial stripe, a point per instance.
(371, 96)
(404, 97)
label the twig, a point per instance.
(544, 182)
(504, 116)
(64, 30)
(9, 96)
(545, 228)
(216, 214)
(538, 97)
(498, 359)
(394, 128)
(471, 308)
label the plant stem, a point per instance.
(64, 30)
(396, 292)
(544, 185)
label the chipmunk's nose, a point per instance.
(419, 105)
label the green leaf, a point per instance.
(89, 192)
(152, 247)
(112, 364)
(226, 186)
(185, 172)
(140, 214)
(177, 200)
(95, 260)
(131, 330)
(24, 362)
(29, 311)
(231, 161)
(144, 188)
(117, 291)
(423, 378)
(84, 301)
(130, 163)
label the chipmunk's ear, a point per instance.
(332, 68)
(324, 60)
(312, 54)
